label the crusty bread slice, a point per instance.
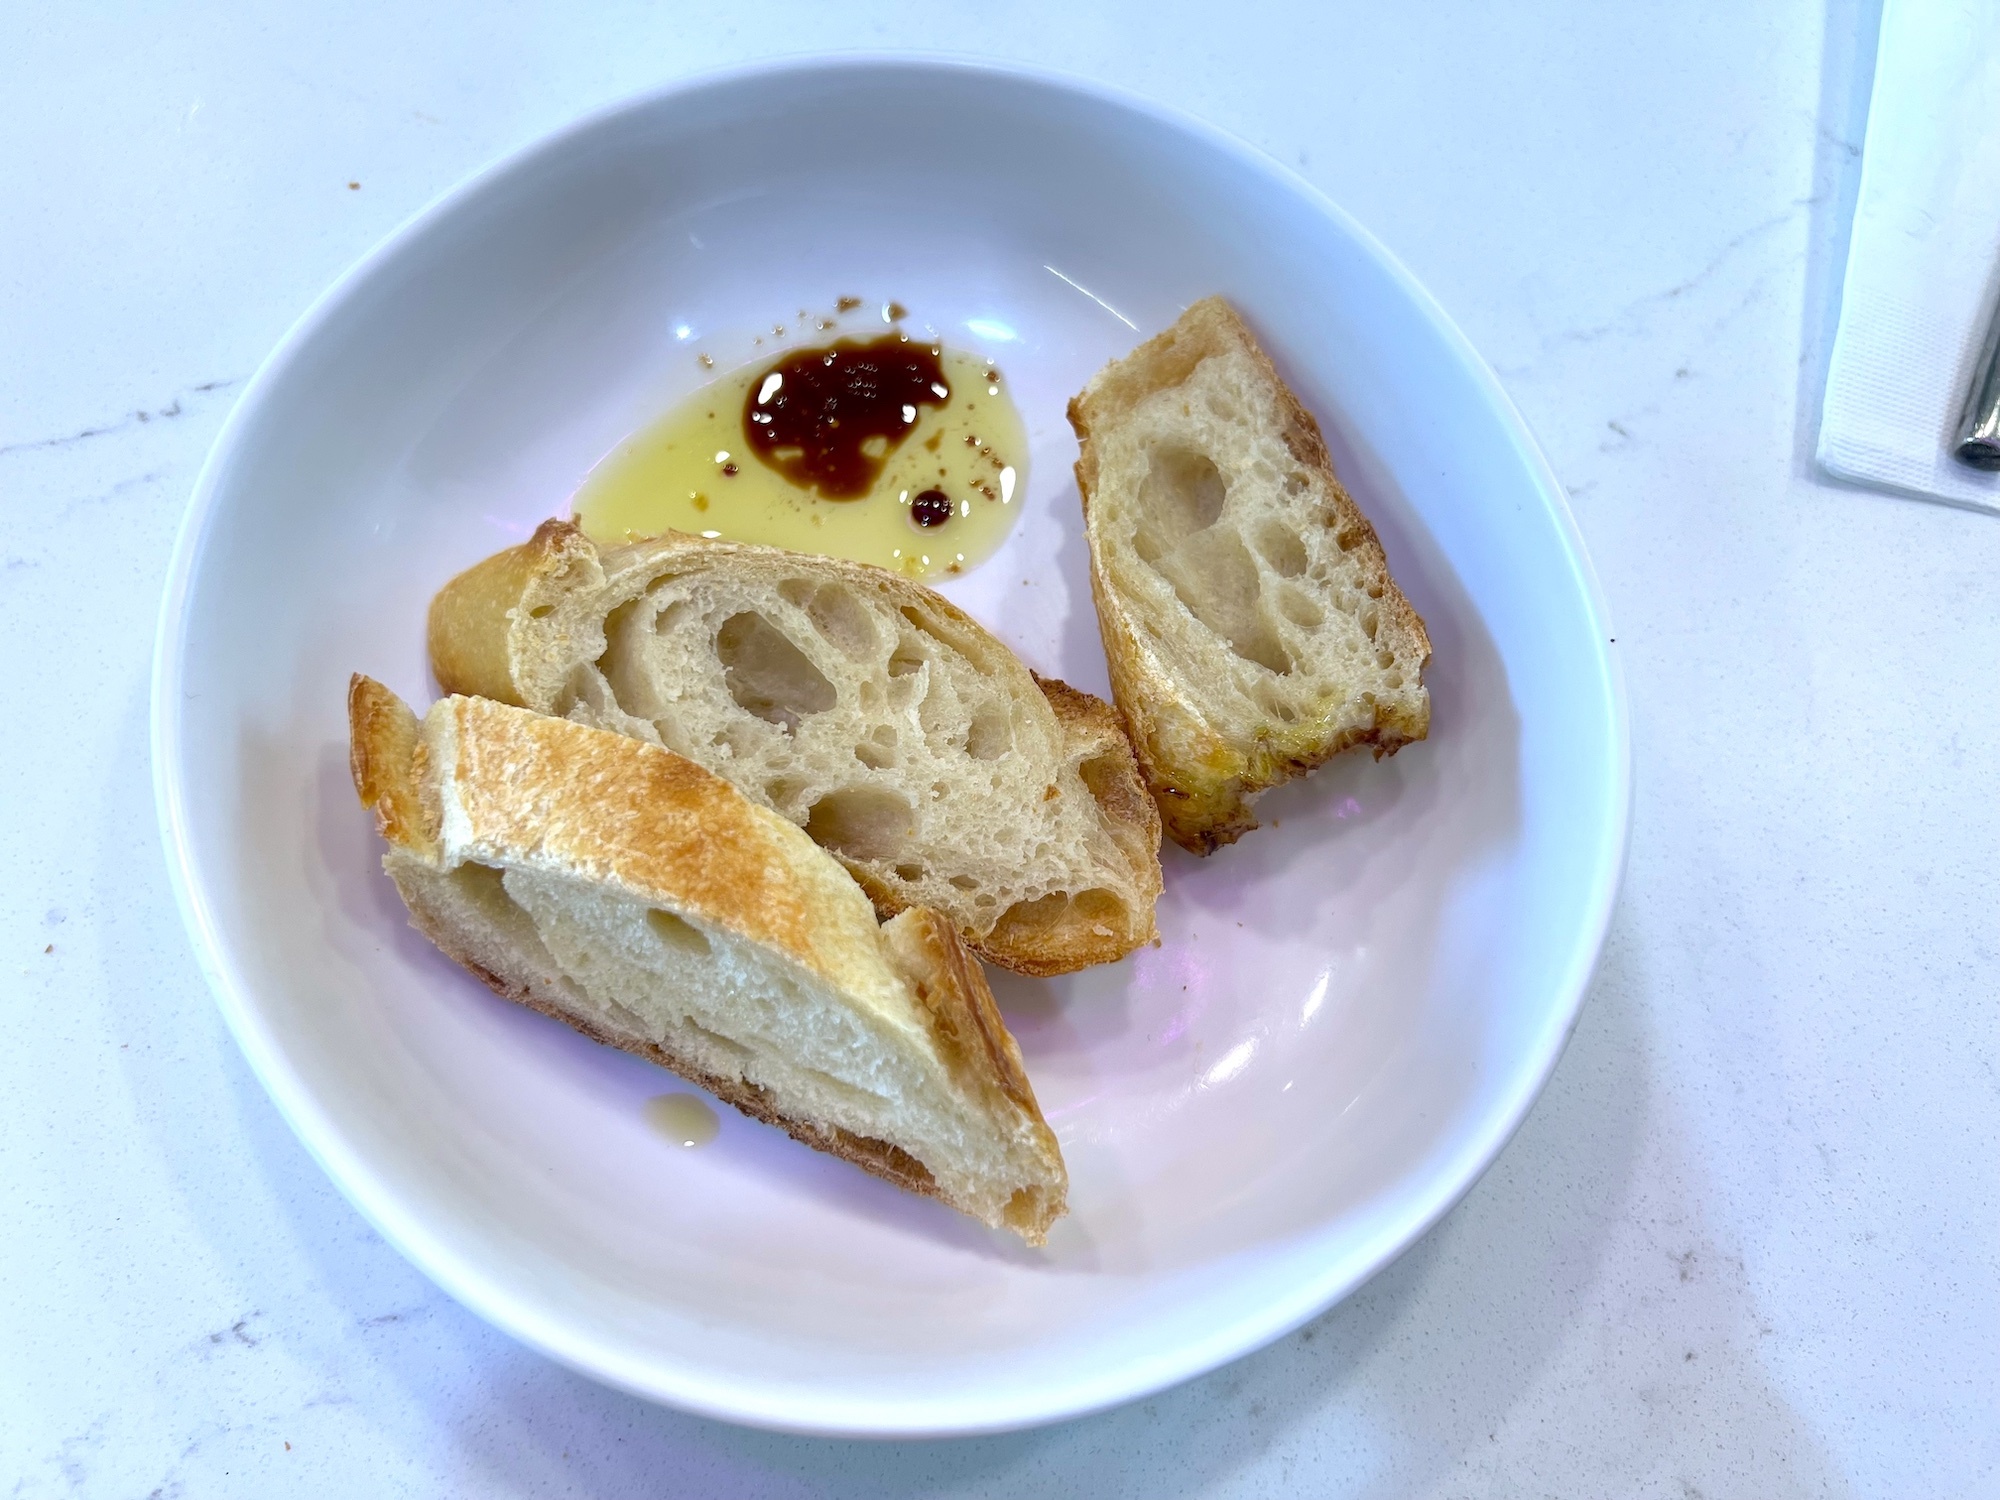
(865, 708)
(1248, 615)
(623, 889)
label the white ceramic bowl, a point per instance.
(1352, 1009)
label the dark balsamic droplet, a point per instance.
(931, 508)
(827, 419)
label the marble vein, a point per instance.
(163, 413)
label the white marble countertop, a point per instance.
(1749, 1241)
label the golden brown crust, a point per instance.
(656, 826)
(641, 818)
(472, 619)
(381, 751)
(479, 646)
(966, 1023)
(1203, 783)
(976, 1046)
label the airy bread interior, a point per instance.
(624, 890)
(866, 709)
(1251, 625)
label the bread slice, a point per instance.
(623, 889)
(863, 707)
(1248, 614)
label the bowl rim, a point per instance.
(780, 1408)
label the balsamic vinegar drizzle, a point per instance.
(827, 419)
(893, 449)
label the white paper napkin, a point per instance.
(1923, 265)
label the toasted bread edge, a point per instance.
(386, 756)
(1203, 786)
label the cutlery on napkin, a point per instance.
(1923, 262)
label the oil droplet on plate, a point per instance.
(682, 1118)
